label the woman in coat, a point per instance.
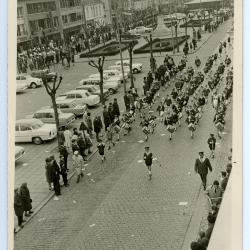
(26, 200)
(18, 207)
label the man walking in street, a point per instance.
(201, 167)
(148, 159)
(211, 143)
(78, 165)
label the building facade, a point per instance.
(40, 21)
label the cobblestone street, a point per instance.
(115, 206)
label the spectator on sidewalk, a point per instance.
(116, 109)
(126, 102)
(97, 127)
(214, 192)
(82, 145)
(211, 143)
(106, 117)
(55, 176)
(211, 220)
(83, 126)
(89, 124)
(18, 207)
(88, 142)
(63, 151)
(77, 162)
(68, 139)
(48, 172)
(63, 171)
(26, 200)
(202, 165)
(111, 113)
(224, 180)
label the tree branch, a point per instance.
(93, 64)
(59, 83)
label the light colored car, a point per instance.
(21, 87)
(19, 152)
(136, 67)
(48, 116)
(107, 78)
(30, 81)
(94, 90)
(117, 73)
(34, 130)
(126, 69)
(82, 97)
(140, 30)
(112, 87)
(71, 106)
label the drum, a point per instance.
(219, 126)
(191, 127)
(170, 129)
(146, 130)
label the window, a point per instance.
(65, 19)
(33, 8)
(71, 96)
(78, 96)
(24, 128)
(19, 12)
(38, 115)
(56, 22)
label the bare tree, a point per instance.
(99, 67)
(131, 46)
(152, 59)
(51, 90)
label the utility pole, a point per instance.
(173, 41)
(118, 14)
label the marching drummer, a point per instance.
(211, 143)
(148, 159)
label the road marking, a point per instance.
(132, 235)
(25, 164)
(217, 143)
(92, 225)
(163, 134)
(140, 161)
(56, 198)
(141, 141)
(88, 174)
(183, 203)
(74, 201)
(46, 151)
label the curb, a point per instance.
(50, 196)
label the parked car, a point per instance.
(44, 74)
(82, 97)
(48, 116)
(140, 30)
(117, 73)
(136, 67)
(71, 106)
(107, 78)
(112, 87)
(126, 69)
(19, 152)
(21, 87)
(34, 130)
(94, 90)
(30, 81)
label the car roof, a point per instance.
(60, 101)
(45, 110)
(28, 120)
(76, 91)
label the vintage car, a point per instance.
(112, 87)
(117, 73)
(82, 97)
(48, 116)
(94, 90)
(71, 106)
(44, 74)
(19, 152)
(34, 130)
(21, 87)
(107, 78)
(136, 67)
(30, 81)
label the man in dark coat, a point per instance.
(126, 102)
(116, 109)
(106, 118)
(211, 143)
(18, 207)
(82, 145)
(63, 151)
(111, 112)
(55, 171)
(97, 127)
(201, 167)
(26, 200)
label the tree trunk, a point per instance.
(101, 86)
(53, 99)
(131, 67)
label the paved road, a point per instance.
(119, 208)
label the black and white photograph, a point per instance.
(124, 125)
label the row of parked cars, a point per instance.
(40, 126)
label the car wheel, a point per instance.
(111, 91)
(135, 71)
(33, 85)
(37, 140)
